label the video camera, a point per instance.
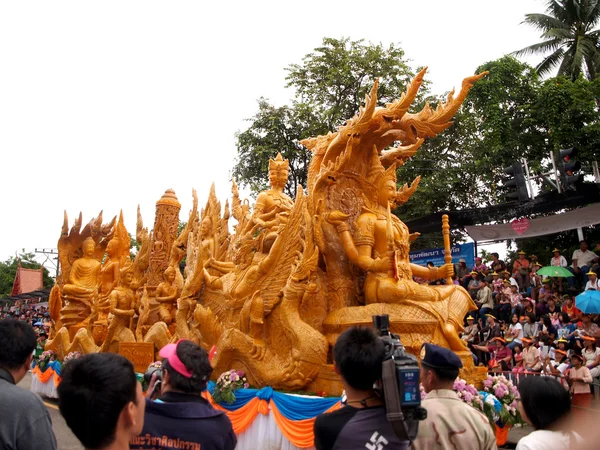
(400, 383)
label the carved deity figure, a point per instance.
(81, 291)
(166, 295)
(273, 205)
(109, 280)
(122, 310)
(380, 246)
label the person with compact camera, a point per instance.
(180, 417)
(361, 423)
(450, 422)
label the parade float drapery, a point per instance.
(285, 418)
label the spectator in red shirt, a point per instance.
(570, 308)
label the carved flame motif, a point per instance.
(273, 290)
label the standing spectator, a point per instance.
(530, 327)
(497, 264)
(521, 271)
(24, 420)
(446, 413)
(485, 300)
(582, 262)
(101, 400)
(531, 356)
(544, 405)
(535, 281)
(579, 379)
(358, 355)
(592, 355)
(570, 308)
(558, 260)
(593, 284)
(515, 332)
(181, 412)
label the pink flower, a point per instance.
(468, 397)
(500, 391)
(460, 385)
(234, 377)
(488, 383)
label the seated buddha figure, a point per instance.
(81, 292)
(273, 205)
(380, 246)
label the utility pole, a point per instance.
(51, 255)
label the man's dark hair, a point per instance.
(195, 359)
(495, 254)
(544, 400)
(358, 354)
(94, 390)
(17, 342)
(583, 241)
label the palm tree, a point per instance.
(569, 36)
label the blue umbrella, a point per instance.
(588, 302)
(38, 324)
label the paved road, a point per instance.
(66, 440)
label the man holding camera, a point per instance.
(181, 415)
(450, 422)
(358, 355)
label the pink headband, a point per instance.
(169, 352)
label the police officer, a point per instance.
(450, 422)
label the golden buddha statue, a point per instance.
(81, 291)
(109, 280)
(122, 310)
(273, 205)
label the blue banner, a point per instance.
(436, 255)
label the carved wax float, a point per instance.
(273, 296)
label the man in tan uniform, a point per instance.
(450, 422)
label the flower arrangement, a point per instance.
(227, 384)
(507, 394)
(71, 356)
(46, 357)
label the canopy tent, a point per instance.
(577, 218)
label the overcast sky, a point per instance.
(104, 105)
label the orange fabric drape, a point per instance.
(45, 376)
(241, 418)
(298, 432)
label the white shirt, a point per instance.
(583, 258)
(548, 440)
(595, 286)
(516, 326)
(561, 262)
(514, 282)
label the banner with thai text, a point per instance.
(436, 255)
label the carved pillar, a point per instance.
(166, 222)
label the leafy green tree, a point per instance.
(570, 40)
(8, 270)
(329, 85)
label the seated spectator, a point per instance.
(546, 350)
(24, 420)
(496, 285)
(358, 356)
(471, 330)
(570, 308)
(101, 400)
(480, 267)
(547, 328)
(591, 354)
(474, 284)
(530, 328)
(582, 262)
(544, 405)
(552, 308)
(497, 264)
(565, 327)
(528, 306)
(520, 271)
(501, 355)
(518, 357)
(463, 273)
(516, 301)
(557, 259)
(593, 284)
(546, 289)
(507, 276)
(590, 328)
(181, 413)
(531, 356)
(484, 300)
(515, 332)
(502, 308)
